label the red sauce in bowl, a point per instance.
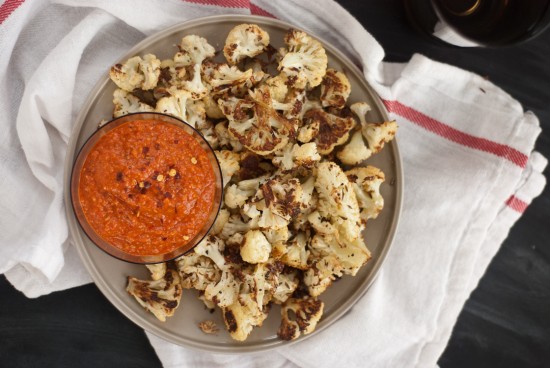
(147, 187)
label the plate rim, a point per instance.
(76, 237)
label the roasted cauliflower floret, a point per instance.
(335, 89)
(355, 151)
(278, 201)
(126, 103)
(337, 201)
(235, 224)
(329, 130)
(225, 139)
(277, 87)
(262, 281)
(229, 163)
(350, 256)
(221, 220)
(171, 75)
(276, 236)
(242, 316)
(212, 108)
(157, 270)
(160, 297)
(244, 40)
(193, 50)
(360, 109)
(236, 195)
(306, 313)
(255, 124)
(296, 252)
(136, 73)
(225, 292)
(180, 104)
(196, 271)
(378, 134)
(287, 283)
(227, 78)
(305, 61)
(366, 182)
(295, 156)
(212, 247)
(320, 274)
(256, 248)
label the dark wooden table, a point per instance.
(505, 323)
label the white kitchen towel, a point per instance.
(467, 148)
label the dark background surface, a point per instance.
(505, 323)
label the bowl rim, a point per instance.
(81, 158)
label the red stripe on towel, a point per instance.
(256, 10)
(511, 154)
(244, 4)
(9, 7)
(516, 204)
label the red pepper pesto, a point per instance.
(147, 187)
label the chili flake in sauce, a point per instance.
(147, 187)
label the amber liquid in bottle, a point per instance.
(494, 22)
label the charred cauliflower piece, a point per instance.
(245, 40)
(126, 103)
(305, 60)
(229, 163)
(278, 201)
(328, 130)
(160, 297)
(225, 139)
(347, 257)
(225, 78)
(277, 87)
(212, 247)
(255, 124)
(296, 254)
(196, 271)
(306, 313)
(236, 195)
(337, 201)
(335, 89)
(379, 134)
(376, 134)
(366, 183)
(179, 103)
(136, 73)
(242, 316)
(157, 270)
(287, 283)
(360, 109)
(193, 50)
(323, 270)
(295, 156)
(236, 225)
(221, 220)
(256, 248)
(355, 151)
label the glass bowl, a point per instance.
(81, 211)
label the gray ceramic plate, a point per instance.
(110, 274)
